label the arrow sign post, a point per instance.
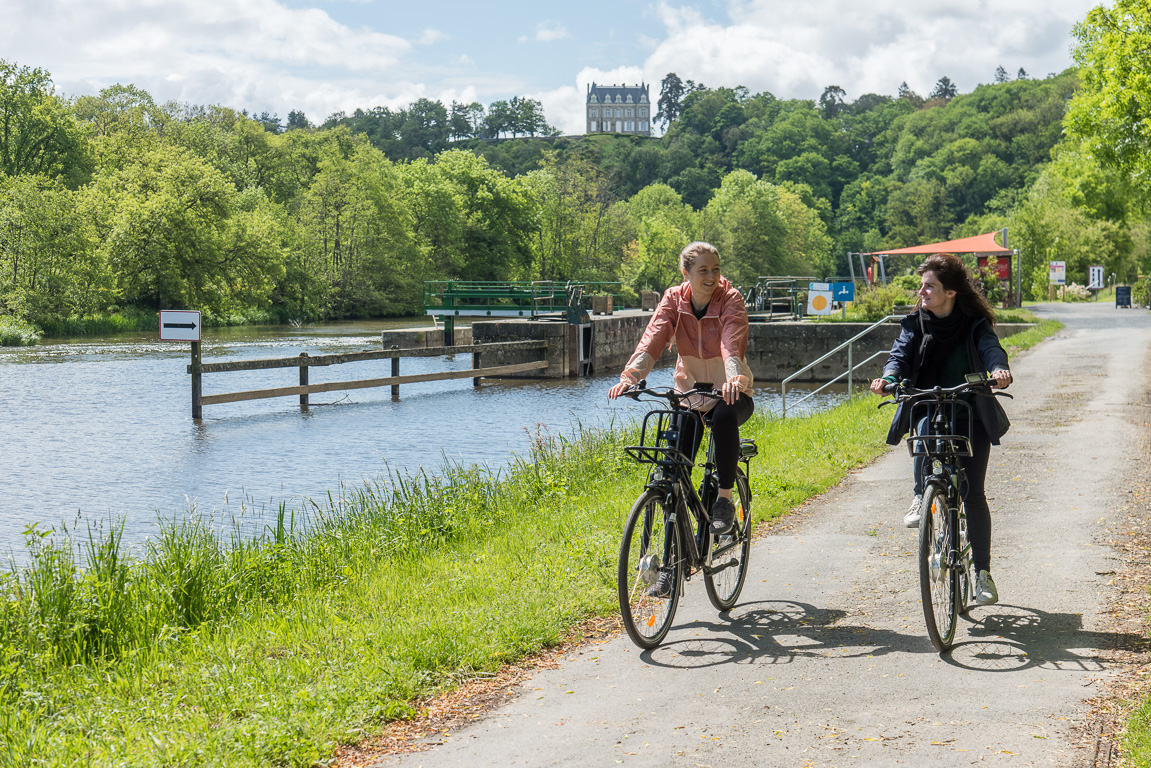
(184, 325)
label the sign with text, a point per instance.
(1095, 278)
(179, 325)
(1056, 272)
(843, 292)
(819, 298)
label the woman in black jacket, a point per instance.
(949, 335)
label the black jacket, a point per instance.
(906, 362)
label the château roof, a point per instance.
(618, 93)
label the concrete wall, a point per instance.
(561, 353)
(411, 338)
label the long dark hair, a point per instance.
(954, 275)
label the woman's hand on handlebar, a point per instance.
(1001, 379)
(618, 390)
(877, 386)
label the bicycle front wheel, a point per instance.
(730, 553)
(938, 582)
(650, 571)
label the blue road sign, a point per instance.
(843, 292)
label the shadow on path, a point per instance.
(1000, 638)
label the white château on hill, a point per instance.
(619, 109)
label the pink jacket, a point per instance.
(713, 348)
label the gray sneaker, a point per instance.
(722, 515)
(985, 592)
(911, 519)
(662, 586)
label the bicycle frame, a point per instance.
(671, 476)
(943, 447)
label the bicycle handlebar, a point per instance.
(670, 394)
(903, 392)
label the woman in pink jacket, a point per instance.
(708, 320)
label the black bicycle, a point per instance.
(944, 552)
(666, 539)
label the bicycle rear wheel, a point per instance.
(938, 583)
(650, 548)
(730, 553)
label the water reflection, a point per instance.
(102, 427)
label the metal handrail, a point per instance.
(851, 368)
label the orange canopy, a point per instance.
(982, 244)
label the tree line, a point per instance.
(113, 201)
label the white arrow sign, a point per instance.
(179, 325)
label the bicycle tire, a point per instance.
(730, 553)
(650, 546)
(938, 583)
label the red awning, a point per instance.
(982, 244)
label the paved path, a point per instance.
(826, 662)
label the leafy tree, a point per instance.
(831, 101)
(38, 135)
(178, 235)
(49, 266)
(459, 124)
(944, 89)
(1021, 74)
(671, 93)
(1111, 112)
(297, 121)
(1001, 75)
(581, 232)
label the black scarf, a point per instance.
(940, 336)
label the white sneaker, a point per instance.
(985, 592)
(911, 519)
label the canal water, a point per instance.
(95, 430)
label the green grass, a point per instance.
(206, 647)
(17, 333)
(1018, 342)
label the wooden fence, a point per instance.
(305, 362)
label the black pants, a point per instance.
(725, 423)
(974, 495)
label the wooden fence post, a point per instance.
(395, 372)
(475, 366)
(303, 382)
(197, 406)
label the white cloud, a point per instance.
(432, 36)
(794, 50)
(242, 54)
(546, 32)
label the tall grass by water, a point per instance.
(210, 646)
(17, 333)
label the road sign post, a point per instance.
(184, 325)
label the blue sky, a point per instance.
(323, 56)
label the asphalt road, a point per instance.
(825, 662)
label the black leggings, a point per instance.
(974, 495)
(725, 423)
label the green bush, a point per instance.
(906, 282)
(875, 302)
(17, 333)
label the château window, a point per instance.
(628, 126)
(643, 125)
(643, 112)
(593, 126)
(594, 112)
(629, 113)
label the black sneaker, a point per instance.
(722, 513)
(662, 586)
